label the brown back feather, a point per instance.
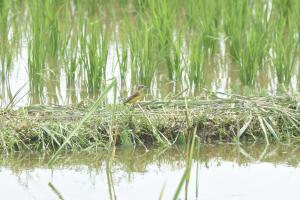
(135, 94)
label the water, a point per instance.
(221, 171)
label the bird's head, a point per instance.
(141, 88)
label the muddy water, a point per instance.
(218, 172)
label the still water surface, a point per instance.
(218, 172)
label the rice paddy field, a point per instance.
(64, 51)
(221, 76)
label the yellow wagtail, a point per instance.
(136, 96)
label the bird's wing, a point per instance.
(135, 94)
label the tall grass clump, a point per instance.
(37, 48)
(123, 49)
(52, 8)
(203, 18)
(162, 16)
(45, 47)
(236, 16)
(16, 25)
(6, 43)
(253, 51)
(285, 45)
(94, 46)
(143, 53)
(4, 9)
(196, 62)
(249, 39)
(122, 57)
(72, 66)
(175, 60)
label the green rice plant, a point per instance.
(134, 40)
(285, 48)
(52, 8)
(146, 60)
(203, 18)
(236, 17)
(6, 54)
(122, 50)
(72, 66)
(196, 62)
(249, 59)
(260, 25)
(43, 52)
(94, 47)
(72, 78)
(295, 15)
(209, 23)
(283, 8)
(36, 50)
(156, 40)
(4, 26)
(174, 60)
(18, 28)
(161, 18)
(141, 6)
(252, 43)
(143, 54)
(122, 57)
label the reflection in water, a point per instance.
(110, 181)
(55, 191)
(218, 172)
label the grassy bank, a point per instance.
(167, 122)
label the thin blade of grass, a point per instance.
(245, 126)
(90, 112)
(186, 173)
(262, 125)
(270, 128)
(13, 101)
(53, 188)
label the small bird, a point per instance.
(136, 95)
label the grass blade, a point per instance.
(262, 125)
(245, 126)
(90, 112)
(270, 128)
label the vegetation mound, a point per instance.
(213, 119)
